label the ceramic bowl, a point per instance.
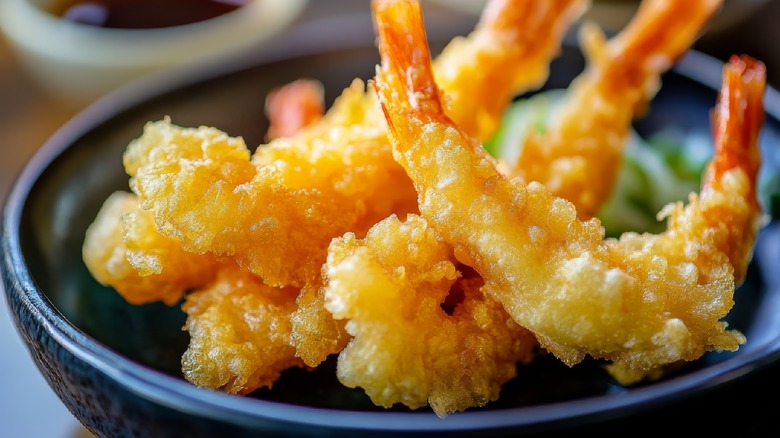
(117, 366)
(80, 62)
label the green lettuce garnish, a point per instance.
(662, 168)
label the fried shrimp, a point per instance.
(275, 219)
(123, 249)
(240, 333)
(640, 302)
(508, 52)
(333, 176)
(423, 333)
(275, 211)
(588, 136)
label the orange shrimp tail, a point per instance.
(293, 106)
(737, 121)
(403, 44)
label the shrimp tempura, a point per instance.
(508, 53)
(640, 302)
(333, 176)
(579, 154)
(274, 212)
(423, 333)
(124, 250)
(240, 333)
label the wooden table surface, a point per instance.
(28, 116)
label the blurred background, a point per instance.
(30, 112)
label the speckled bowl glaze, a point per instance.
(116, 366)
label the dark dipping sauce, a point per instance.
(142, 14)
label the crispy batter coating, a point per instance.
(423, 333)
(204, 191)
(348, 153)
(347, 157)
(579, 155)
(311, 245)
(332, 176)
(316, 333)
(240, 333)
(509, 52)
(275, 213)
(641, 302)
(123, 249)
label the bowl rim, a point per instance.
(183, 396)
(35, 14)
(37, 34)
(81, 62)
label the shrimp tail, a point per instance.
(729, 184)
(294, 106)
(401, 29)
(643, 301)
(623, 74)
(737, 120)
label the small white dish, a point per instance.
(81, 62)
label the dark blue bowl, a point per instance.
(116, 366)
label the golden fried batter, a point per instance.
(204, 192)
(579, 155)
(641, 302)
(240, 333)
(314, 244)
(123, 249)
(275, 213)
(423, 334)
(316, 333)
(508, 53)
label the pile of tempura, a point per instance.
(381, 231)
